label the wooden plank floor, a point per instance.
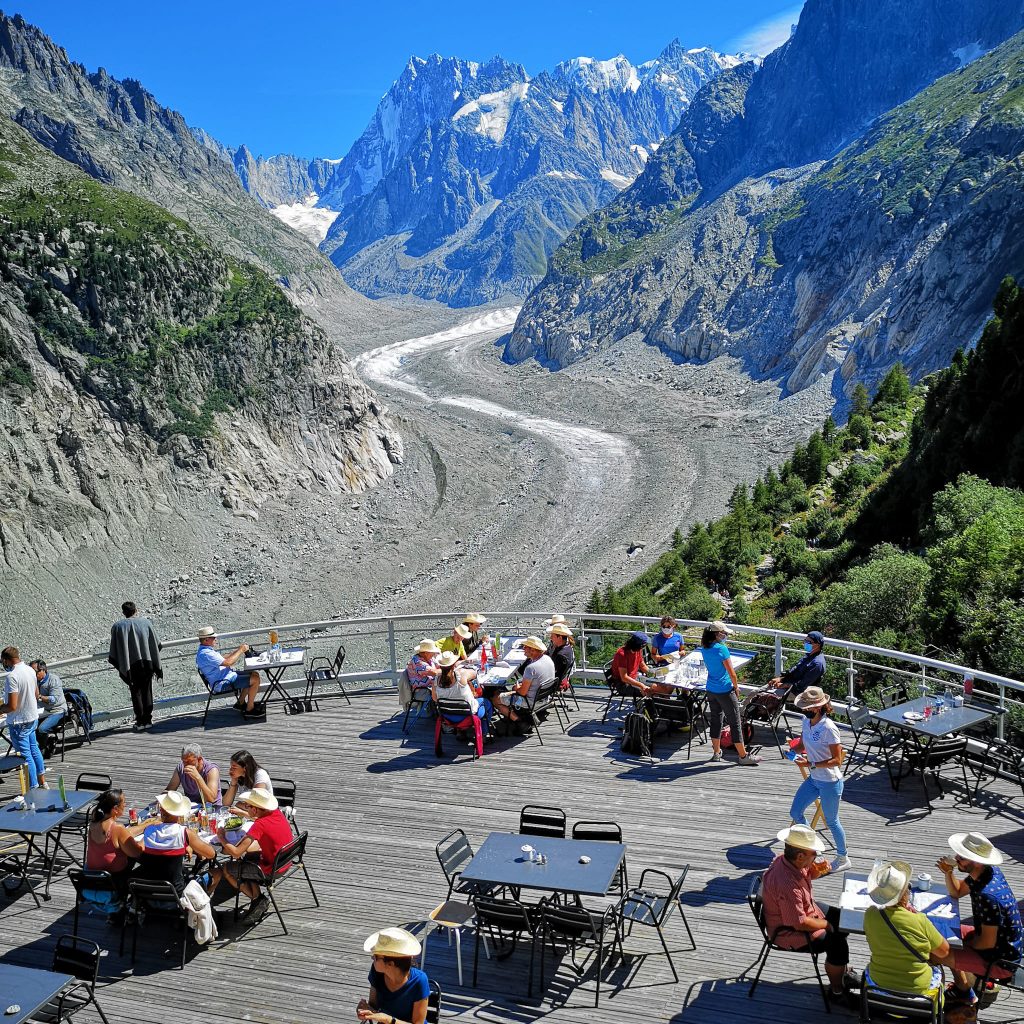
(375, 804)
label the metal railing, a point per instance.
(378, 648)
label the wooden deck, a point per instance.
(375, 806)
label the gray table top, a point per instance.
(28, 988)
(952, 720)
(501, 860)
(9, 762)
(47, 815)
(946, 921)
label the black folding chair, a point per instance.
(616, 690)
(211, 693)
(867, 737)
(998, 759)
(604, 832)
(81, 959)
(770, 942)
(434, 1004)
(290, 859)
(924, 758)
(89, 887)
(457, 716)
(899, 1005)
(324, 670)
(538, 820)
(151, 901)
(504, 922)
(544, 701)
(575, 927)
(768, 708)
(422, 700)
(651, 906)
(93, 782)
(672, 712)
(285, 792)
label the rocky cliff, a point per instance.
(139, 362)
(470, 174)
(748, 233)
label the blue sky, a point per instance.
(306, 78)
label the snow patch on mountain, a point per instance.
(494, 109)
(620, 181)
(968, 53)
(306, 217)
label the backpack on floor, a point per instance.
(80, 708)
(636, 734)
(728, 742)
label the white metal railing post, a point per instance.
(583, 645)
(1001, 718)
(850, 672)
(393, 651)
(778, 654)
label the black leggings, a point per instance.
(727, 705)
(834, 943)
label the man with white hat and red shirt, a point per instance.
(789, 904)
(997, 933)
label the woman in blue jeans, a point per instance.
(820, 750)
(22, 712)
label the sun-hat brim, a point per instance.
(801, 839)
(882, 896)
(534, 643)
(956, 843)
(175, 803)
(258, 798)
(392, 942)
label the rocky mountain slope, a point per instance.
(470, 174)
(742, 236)
(119, 134)
(139, 364)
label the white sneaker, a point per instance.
(841, 864)
(749, 761)
(716, 756)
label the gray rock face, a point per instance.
(469, 175)
(748, 234)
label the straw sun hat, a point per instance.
(802, 837)
(474, 619)
(812, 697)
(174, 803)
(888, 882)
(205, 632)
(560, 629)
(392, 942)
(258, 798)
(535, 643)
(447, 659)
(974, 846)
(460, 630)
(427, 646)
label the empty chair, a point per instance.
(504, 922)
(537, 820)
(81, 959)
(867, 738)
(770, 942)
(901, 1005)
(453, 854)
(998, 759)
(604, 832)
(575, 927)
(766, 707)
(290, 859)
(672, 712)
(927, 758)
(324, 670)
(651, 904)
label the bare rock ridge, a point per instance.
(843, 206)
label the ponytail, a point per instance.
(105, 803)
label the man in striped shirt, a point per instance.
(789, 904)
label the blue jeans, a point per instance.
(829, 793)
(23, 739)
(50, 722)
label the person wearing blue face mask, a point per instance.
(808, 671)
(820, 751)
(666, 642)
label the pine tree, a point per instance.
(861, 402)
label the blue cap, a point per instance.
(642, 637)
(816, 637)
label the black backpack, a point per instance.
(80, 708)
(636, 734)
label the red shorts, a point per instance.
(969, 960)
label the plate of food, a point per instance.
(232, 821)
(913, 716)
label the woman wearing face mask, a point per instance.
(820, 750)
(667, 642)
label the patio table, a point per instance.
(28, 989)
(501, 861)
(274, 670)
(45, 822)
(935, 903)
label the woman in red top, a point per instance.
(269, 834)
(105, 845)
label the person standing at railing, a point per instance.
(135, 653)
(22, 712)
(808, 671)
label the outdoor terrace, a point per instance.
(376, 802)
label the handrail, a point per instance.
(390, 633)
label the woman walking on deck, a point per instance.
(820, 751)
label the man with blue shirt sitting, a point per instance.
(666, 642)
(806, 672)
(218, 671)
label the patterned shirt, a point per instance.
(786, 891)
(992, 902)
(421, 672)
